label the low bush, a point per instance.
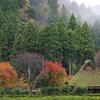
(79, 90)
(66, 90)
(51, 91)
(13, 92)
(52, 75)
(5, 91)
(17, 91)
(25, 92)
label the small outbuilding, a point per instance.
(88, 76)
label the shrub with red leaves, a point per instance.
(53, 74)
(7, 75)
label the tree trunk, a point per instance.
(29, 79)
(70, 67)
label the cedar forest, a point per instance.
(42, 47)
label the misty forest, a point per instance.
(49, 47)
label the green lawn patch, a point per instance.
(53, 98)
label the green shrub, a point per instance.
(5, 91)
(67, 90)
(13, 92)
(44, 91)
(25, 92)
(51, 91)
(17, 91)
(79, 90)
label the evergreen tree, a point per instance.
(49, 44)
(88, 47)
(96, 31)
(61, 29)
(53, 12)
(78, 32)
(27, 39)
(9, 22)
(72, 22)
(65, 14)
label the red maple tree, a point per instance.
(7, 75)
(54, 73)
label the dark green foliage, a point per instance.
(69, 42)
(61, 29)
(96, 31)
(78, 57)
(8, 5)
(79, 90)
(87, 41)
(17, 91)
(65, 14)
(49, 43)
(9, 21)
(41, 81)
(72, 22)
(27, 39)
(5, 91)
(67, 90)
(70, 46)
(72, 37)
(14, 92)
(53, 12)
(51, 91)
(33, 12)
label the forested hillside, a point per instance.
(64, 39)
(44, 43)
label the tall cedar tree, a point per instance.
(72, 22)
(9, 21)
(65, 14)
(49, 43)
(72, 41)
(87, 48)
(27, 39)
(61, 29)
(69, 43)
(78, 31)
(53, 12)
(96, 31)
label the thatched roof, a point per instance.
(87, 76)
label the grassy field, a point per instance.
(53, 98)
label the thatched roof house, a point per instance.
(88, 76)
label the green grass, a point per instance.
(53, 98)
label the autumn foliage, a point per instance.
(54, 74)
(22, 83)
(7, 75)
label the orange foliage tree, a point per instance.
(7, 75)
(53, 74)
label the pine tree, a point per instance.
(72, 22)
(49, 43)
(9, 22)
(69, 42)
(70, 47)
(96, 31)
(53, 12)
(65, 14)
(61, 29)
(78, 32)
(88, 47)
(27, 39)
